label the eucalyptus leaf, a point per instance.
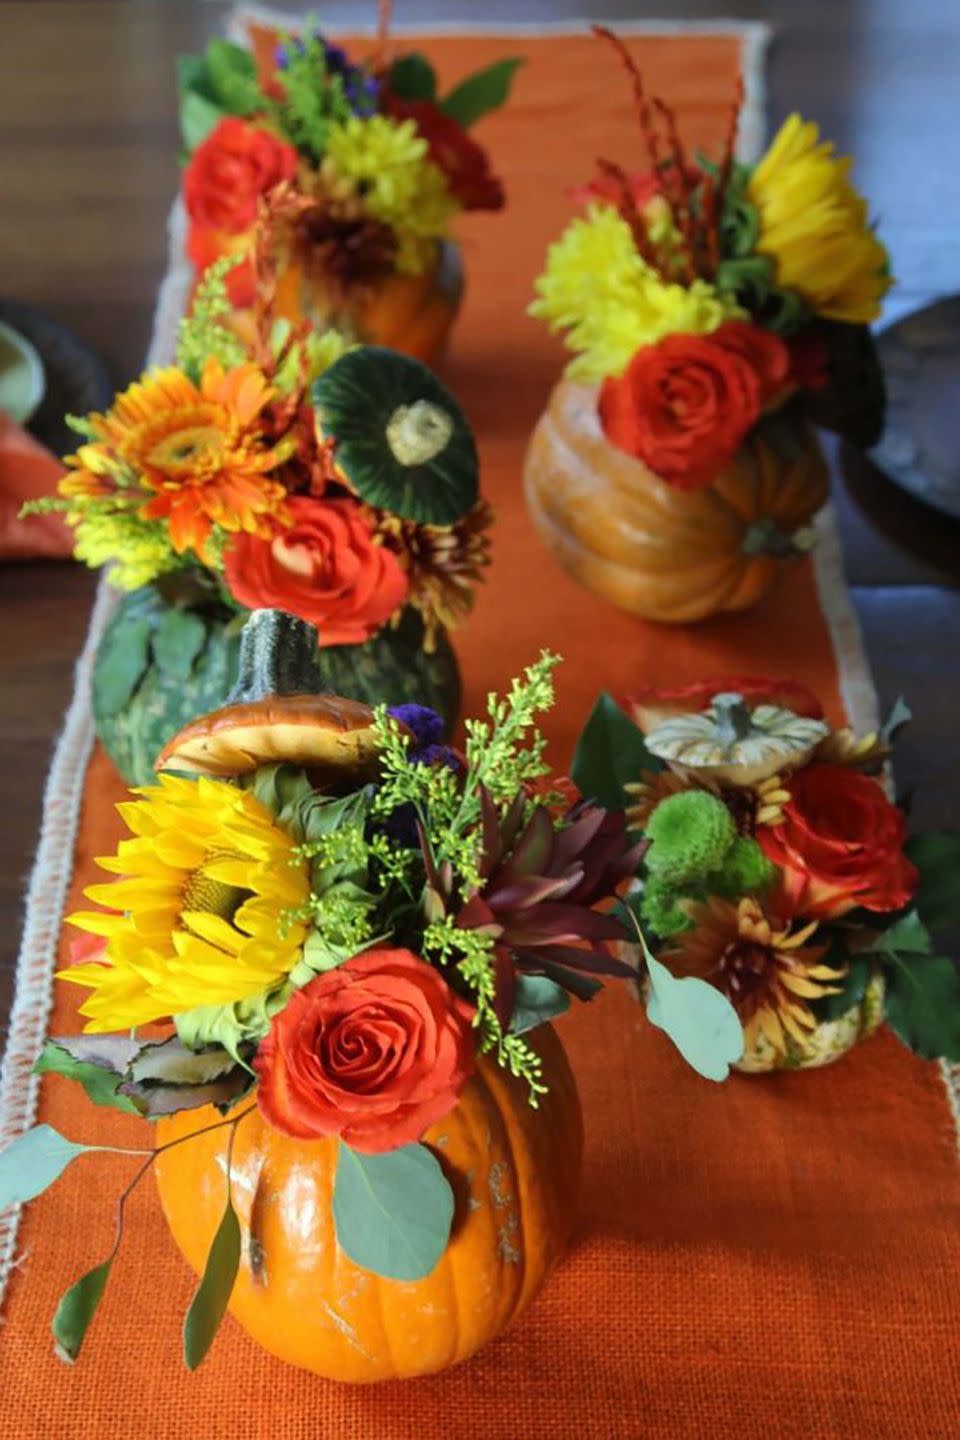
(393, 1211)
(482, 92)
(412, 77)
(77, 1308)
(177, 641)
(610, 752)
(198, 117)
(121, 662)
(538, 1000)
(922, 1004)
(213, 1293)
(700, 1021)
(33, 1162)
(100, 1081)
(937, 857)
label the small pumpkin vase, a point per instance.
(828, 1042)
(154, 671)
(649, 548)
(410, 313)
(514, 1171)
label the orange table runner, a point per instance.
(771, 1257)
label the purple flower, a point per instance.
(425, 724)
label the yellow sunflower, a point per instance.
(201, 913)
(815, 227)
(766, 972)
(202, 451)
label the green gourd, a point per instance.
(159, 665)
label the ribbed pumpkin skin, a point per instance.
(410, 313)
(514, 1171)
(392, 668)
(645, 546)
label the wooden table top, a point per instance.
(87, 170)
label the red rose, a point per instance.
(684, 405)
(650, 706)
(464, 162)
(375, 1051)
(325, 566)
(840, 844)
(229, 171)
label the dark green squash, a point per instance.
(160, 665)
(402, 441)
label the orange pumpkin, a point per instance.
(410, 313)
(514, 1172)
(657, 551)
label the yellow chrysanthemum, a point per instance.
(387, 161)
(200, 915)
(815, 227)
(611, 302)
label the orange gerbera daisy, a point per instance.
(766, 972)
(204, 451)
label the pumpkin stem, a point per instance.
(731, 718)
(278, 656)
(417, 433)
(764, 537)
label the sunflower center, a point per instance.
(213, 897)
(417, 433)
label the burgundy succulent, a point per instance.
(541, 880)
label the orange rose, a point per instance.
(229, 171)
(375, 1051)
(650, 706)
(839, 845)
(325, 566)
(685, 405)
(206, 246)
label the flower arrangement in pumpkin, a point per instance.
(712, 300)
(336, 928)
(776, 868)
(361, 165)
(337, 483)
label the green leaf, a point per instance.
(213, 1293)
(177, 641)
(937, 857)
(198, 117)
(699, 1020)
(120, 663)
(30, 1164)
(412, 77)
(922, 1004)
(538, 1000)
(906, 936)
(853, 986)
(100, 1081)
(77, 1308)
(392, 1212)
(610, 752)
(401, 438)
(232, 72)
(480, 93)
(192, 75)
(171, 1063)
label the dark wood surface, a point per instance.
(88, 146)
